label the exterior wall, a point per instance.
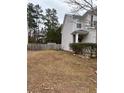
(67, 29)
(90, 38)
(85, 22)
(75, 22)
(70, 25)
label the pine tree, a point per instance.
(34, 13)
(51, 25)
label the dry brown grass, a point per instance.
(52, 71)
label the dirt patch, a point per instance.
(60, 72)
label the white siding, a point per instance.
(70, 25)
(67, 29)
(75, 22)
(90, 38)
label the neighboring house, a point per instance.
(78, 29)
(37, 35)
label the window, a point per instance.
(78, 25)
(91, 20)
(95, 23)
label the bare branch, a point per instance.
(88, 3)
(78, 5)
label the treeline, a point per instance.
(43, 27)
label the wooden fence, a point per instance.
(44, 46)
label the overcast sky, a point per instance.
(59, 5)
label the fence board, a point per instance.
(44, 46)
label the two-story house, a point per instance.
(78, 29)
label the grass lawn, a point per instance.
(52, 71)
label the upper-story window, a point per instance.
(91, 20)
(78, 25)
(95, 23)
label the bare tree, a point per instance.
(79, 5)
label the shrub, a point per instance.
(79, 47)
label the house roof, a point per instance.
(78, 16)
